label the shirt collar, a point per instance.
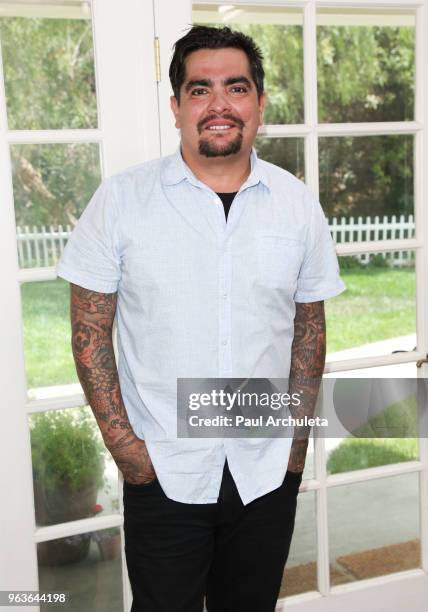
(175, 170)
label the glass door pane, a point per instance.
(366, 65)
(376, 315)
(374, 528)
(52, 183)
(48, 65)
(87, 568)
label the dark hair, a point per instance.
(208, 37)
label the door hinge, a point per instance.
(157, 59)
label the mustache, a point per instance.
(203, 122)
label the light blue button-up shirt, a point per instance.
(202, 298)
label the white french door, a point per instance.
(352, 517)
(78, 101)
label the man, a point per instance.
(216, 264)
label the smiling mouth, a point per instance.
(219, 128)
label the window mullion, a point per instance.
(65, 136)
(421, 219)
(381, 246)
(312, 180)
(376, 128)
(323, 556)
(310, 96)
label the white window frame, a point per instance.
(399, 588)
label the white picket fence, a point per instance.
(362, 229)
(40, 247)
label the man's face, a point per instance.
(219, 110)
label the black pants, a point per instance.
(233, 554)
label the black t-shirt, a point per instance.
(227, 199)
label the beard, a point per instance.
(216, 149)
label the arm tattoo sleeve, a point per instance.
(307, 367)
(92, 315)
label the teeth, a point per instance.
(220, 127)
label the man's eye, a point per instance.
(197, 92)
(239, 89)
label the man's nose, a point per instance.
(219, 102)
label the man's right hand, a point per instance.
(92, 315)
(134, 462)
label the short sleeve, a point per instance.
(319, 277)
(91, 257)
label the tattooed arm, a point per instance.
(307, 367)
(92, 315)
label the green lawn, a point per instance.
(47, 333)
(379, 303)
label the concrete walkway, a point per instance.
(361, 516)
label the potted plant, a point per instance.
(68, 469)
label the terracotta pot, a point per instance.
(62, 505)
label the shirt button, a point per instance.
(224, 342)
(225, 296)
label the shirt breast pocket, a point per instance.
(279, 259)
(145, 265)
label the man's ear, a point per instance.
(176, 110)
(262, 105)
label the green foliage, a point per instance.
(361, 453)
(50, 84)
(67, 450)
(288, 151)
(49, 73)
(63, 178)
(365, 73)
(377, 261)
(350, 263)
(366, 176)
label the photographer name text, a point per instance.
(259, 421)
